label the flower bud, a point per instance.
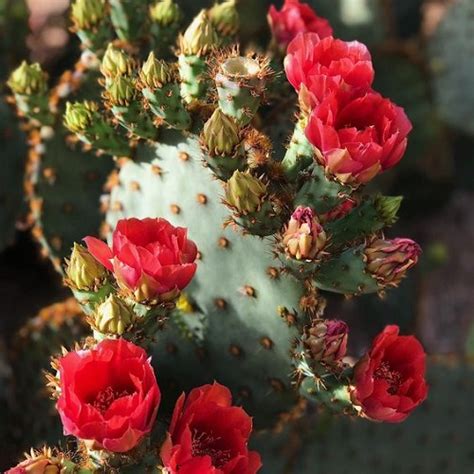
(389, 260)
(79, 116)
(220, 134)
(86, 14)
(113, 316)
(339, 211)
(42, 462)
(116, 62)
(121, 91)
(155, 73)
(28, 79)
(165, 12)
(326, 340)
(304, 236)
(83, 271)
(225, 17)
(200, 36)
(245, 192)
(388, 207)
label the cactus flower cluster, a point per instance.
(221, 248)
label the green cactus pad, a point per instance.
(247, 342)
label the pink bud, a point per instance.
(326, 340)
(389, 260)
(304, 236)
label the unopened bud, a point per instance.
(43, 462)
(155, 73)
(326, 340)
(389, 260)
(83, 271)
(200, 36)
(87, 14)
(28, 79)
(304, 236)
(388, 207)
(225, 17)
(116, 63)
(165, 12)
(113, 316)
(220, 134)
(79, 116)
(245, 192)
(121, 91)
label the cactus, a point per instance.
(191, 141)
(438, 429)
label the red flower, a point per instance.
(151, 259)
(390, 379)
(294, 18)
(109, 395)
(325, 65)
(357, 137)
(339, 211)
(209, 436)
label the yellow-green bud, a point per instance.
(28, 79)
(83, 271)
(200, 36)
(225, 18)
(116, 63)
(86, 14)
(155, 73)
(113, 316)
(245, 192)
(220, 134)
(121, 91)
(165, 12)
(79, 116)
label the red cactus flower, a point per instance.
(150, 258)
(389, 381)
(109, 395)
(339, 211)
(358, 137)
(208, 435)
(325, 65)
(294, 18)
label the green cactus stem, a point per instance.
(240, 83)
(196, 42)
(129, 18)
(300, 153)
(161, 91)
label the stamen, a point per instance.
(106, 397)
(392, 377)
(204, 445)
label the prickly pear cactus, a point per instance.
(438, 430)
(276, 227)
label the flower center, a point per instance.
(106, 397)
(392, 377)
(204, 444)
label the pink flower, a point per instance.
(294, 18)
(151, 259)
(328, 64)
(357, 137)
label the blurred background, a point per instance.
(423, 52)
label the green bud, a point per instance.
(113, 316)
(116, 63)
(28, 79)
(155, 73)
(86, 14)
(200, 36)
(388, 207)
(165, 12)
(225, 18)
(121, 91)
(79, 116)
(83, 271)
(245, 192)
(220, 134)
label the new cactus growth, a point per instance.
(191, 141)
